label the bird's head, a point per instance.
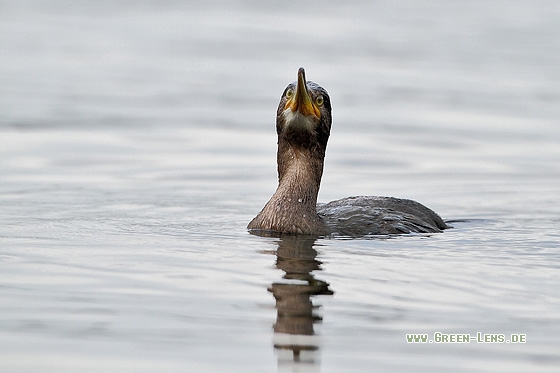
(304, 114)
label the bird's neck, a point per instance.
(299, 176)
(293, 207)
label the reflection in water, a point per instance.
(294, 336)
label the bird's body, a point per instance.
(369, 215)
(303, 125)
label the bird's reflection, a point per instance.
(294, 336)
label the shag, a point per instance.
(303, 124)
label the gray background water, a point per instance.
(137, 140)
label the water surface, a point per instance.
(137, 141)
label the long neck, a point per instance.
(299, 174)
(293, 207)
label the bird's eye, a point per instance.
(319, 100)
(289, 93)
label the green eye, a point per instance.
(289, 93)
(319, 100)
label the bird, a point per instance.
(303, 125)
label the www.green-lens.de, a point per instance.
(466, 338)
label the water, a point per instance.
(137, 141)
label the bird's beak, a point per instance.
(300, 101)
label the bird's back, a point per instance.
(365, 215)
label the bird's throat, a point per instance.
(299, 171)
(293, 207)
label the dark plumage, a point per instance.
(303, 124)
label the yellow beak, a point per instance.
(301, 101)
